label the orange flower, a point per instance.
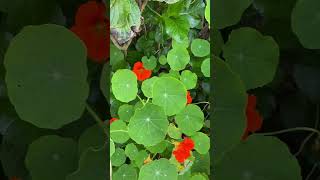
(92, 27)
(189, 98)
(254, 119)
(183, 150)
(112, 120)
(141, 72)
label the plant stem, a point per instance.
(96, 118)
(202, 103)
(155, 12)
(141, 100)
(291, 130)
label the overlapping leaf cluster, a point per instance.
(153, 114)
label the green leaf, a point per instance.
(118, 158)
(168, 1)
(116, 55)
(258, 57)
(141, 156)
(93, 160)
(207, 12)
(61, 98)
(174, 132)
(182, 44)
(229, 108)
(158, 148)
(205, 67)
(131, 151)
(190, 120)
(149, 63)
(112, 147)
(125, 172)
(125, 112)
(177, 27)
(160, 169)
(189, 79)
(245, 161)
(147, 86)
(56, 153)
(170, 94)
(178, 58)
(163, 60)
(93, 137)
(152, 119)
(199, 177)
(125, 16)
(201, 142)
(218, 42)
(124, 85)
(104, 81)
(228, 12)
(200, 47)
(306, 29)
(119, 131)
(201, 163)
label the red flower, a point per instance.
(113, 119)
(183, 150)
(140, 71)
(189, 98)
(92, 27)
(254, 119)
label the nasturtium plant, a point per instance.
(158, 98)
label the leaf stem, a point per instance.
(290, 130)
(96, 118)
(141, 100)
(155, 12)
(202, 102)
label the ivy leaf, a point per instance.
(177, 27)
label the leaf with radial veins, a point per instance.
(124, 85)
(148, 125)
(46, 83)
(170, 94)
(190, 120)
(160, 169)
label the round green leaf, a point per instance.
(141, 156)
(228, 12)
(56, 153)
(178, 58)
(170, 94)
(230, 100)
(131, 151)
(190, 120)
(93, 137)
(189, 79)
(46, 83)
(124, 85)
(174, 132)
(125, 112)
(116, 55)
(256, 60)
(306, 30)
(201, 142)
(201, 163)
(163, 60)
(160, 169)
(118, 157)
(158, 148)
(205, 67)
(147, 86)
(104, 81)
(200, 47)
(93, 160)
(149, 63)
(152, 119)
(183, 44)
(245, 161)
(119, 131)
(125, 172)
(112, 147)
(199, 177)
